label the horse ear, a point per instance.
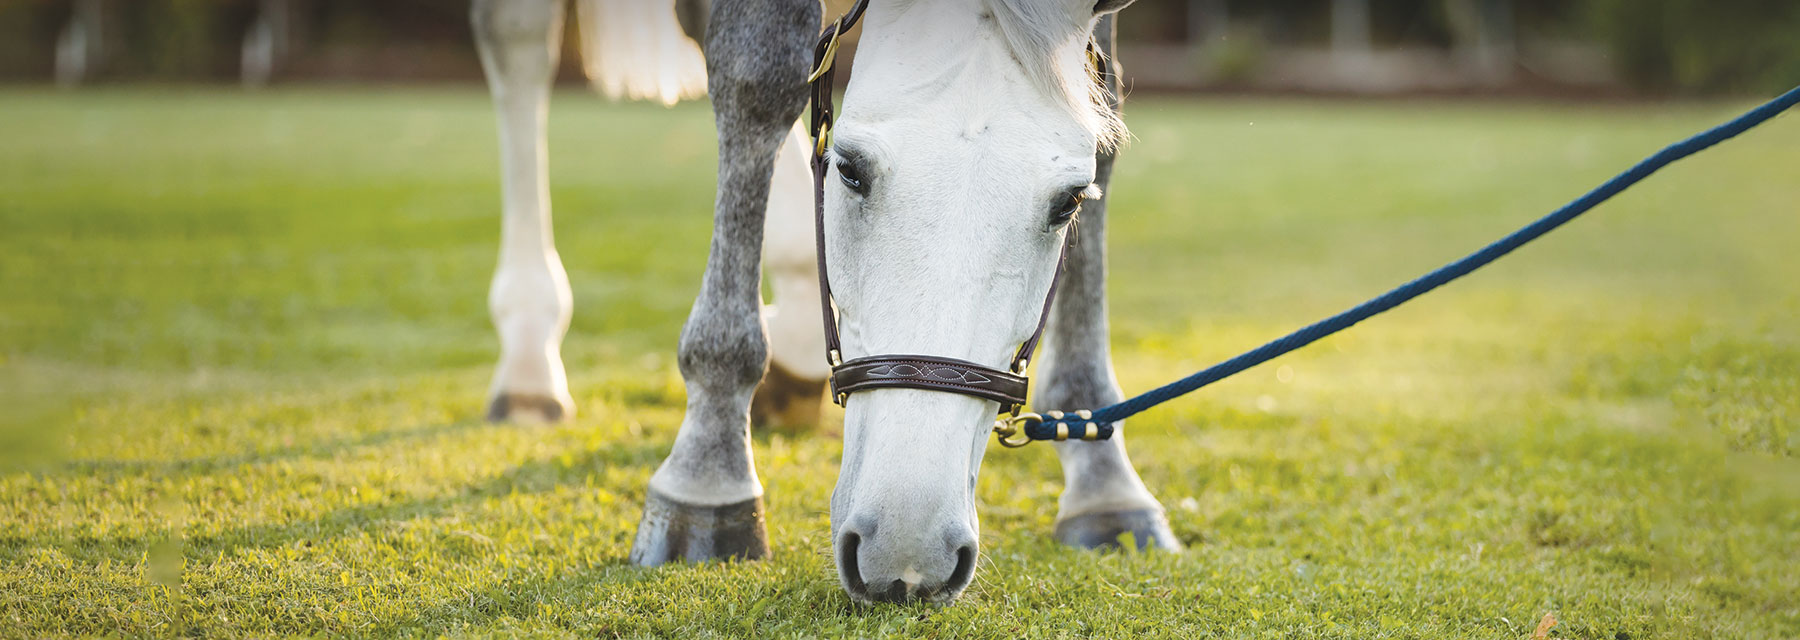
(1104, 7)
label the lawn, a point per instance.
(244, 344)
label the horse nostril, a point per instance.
(847, 564)
(965, 569)
(896, 576)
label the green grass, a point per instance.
(243, 347)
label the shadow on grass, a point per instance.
(524, 479)
(325, 449)
(620, 599)
(528, 478)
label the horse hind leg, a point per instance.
(705, 501)
(1103, 499)
(791, 392)
(529, 298)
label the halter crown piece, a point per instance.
(931, 373)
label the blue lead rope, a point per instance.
(1072, 425)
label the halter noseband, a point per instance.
(931, 373)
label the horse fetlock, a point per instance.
(1103, 499)
(531, 285)
(723, 353)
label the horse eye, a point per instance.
(852, 177)
(1068, 206)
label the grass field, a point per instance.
(244, 342)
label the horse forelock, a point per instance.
(1036, 31)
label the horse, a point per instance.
(974, 137)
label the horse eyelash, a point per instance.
(1082, 197)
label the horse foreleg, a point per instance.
(792, 391)
(529, 299)
(1102, 494)
(705, 501)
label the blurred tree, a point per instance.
(1485, 34)
(1696, 46)
(1689, 46)
(1208, 21)
(1351, 30)
(179, 37)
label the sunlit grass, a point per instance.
(243, 344)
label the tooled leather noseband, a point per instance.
(931, 373)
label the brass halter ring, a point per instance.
(1007, 428)
(1012, 435)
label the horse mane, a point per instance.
(1034, 31)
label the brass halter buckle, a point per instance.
(830, 57)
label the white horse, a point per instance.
(969, 137)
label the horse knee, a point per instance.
(514, 21)
(517, 39)
(758, 58)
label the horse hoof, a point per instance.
(786, 399)
(672, 531)
(1107, 530)
(528, 409)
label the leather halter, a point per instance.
(931, 373)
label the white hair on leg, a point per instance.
(636, 49)
(529, 298)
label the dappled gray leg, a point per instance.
(529, 299)
(1102, 496)
(705, 501)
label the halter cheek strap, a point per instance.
(930, 373)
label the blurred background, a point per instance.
(246, 246)
(1536, 47)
